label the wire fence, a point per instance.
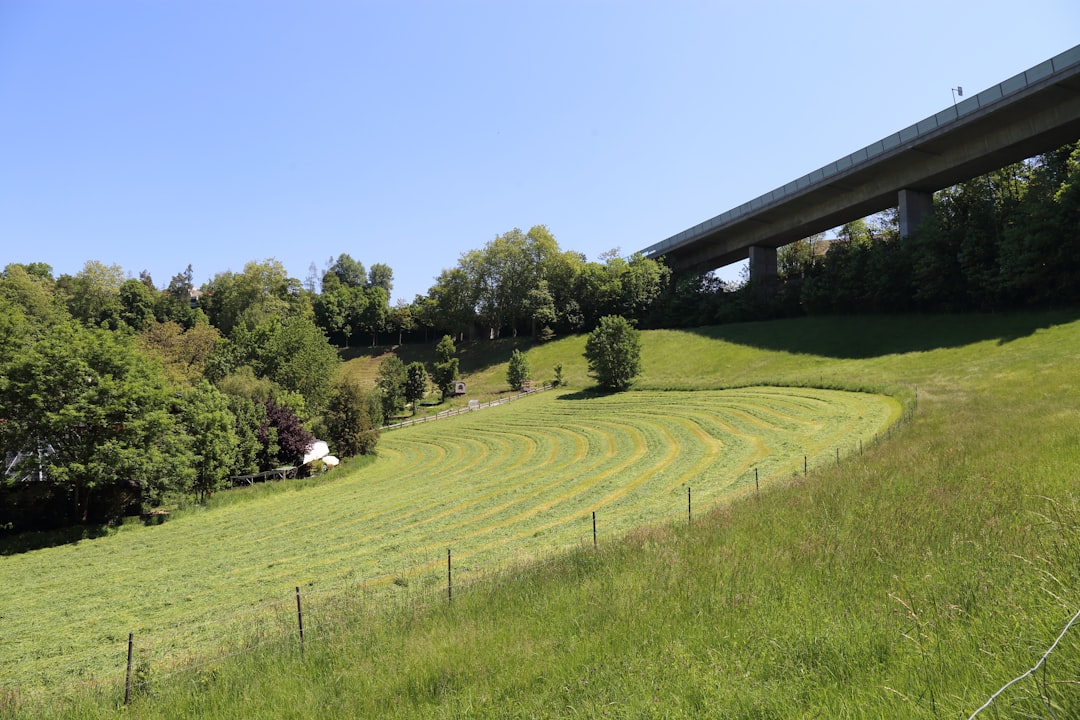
(308, 614)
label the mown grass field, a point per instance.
(912, 581)
(519, 480)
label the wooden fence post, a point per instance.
(300, 621)
(127, 682)
(594, 529)
(449, 578)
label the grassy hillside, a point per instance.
(912, 581)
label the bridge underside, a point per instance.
(1041, 117)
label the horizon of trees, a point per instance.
(115, 394)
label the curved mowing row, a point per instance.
(517, 480)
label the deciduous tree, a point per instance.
(416, 383)
(613, 352)
(517, 371)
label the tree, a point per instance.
(183, 353)
(613, 352)
(517, 372)
(137, 303)
(292, 438)
(381, 276)
(352, 419)
(261, 292)
(94, 294)
(401, 319)
(416, 382)
(295, 354)
(391, 385)
(175, 303)
(346, 271)
(90, 415)
(453, 300)
(210, 424)
(445, 374)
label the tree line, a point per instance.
(116, 394)
(1007, 240)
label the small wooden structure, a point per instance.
(280, 473)
(459, 387)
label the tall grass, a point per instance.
(911, 582)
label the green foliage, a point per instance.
(262, 292)
(391, 386)
(93, 295)
(445, 350)
(517, 371)
(446, 370)
(416, 383)
(613, 352)
(137, 302)
(184, 354)
(816, 606)
(296, 356)
(352, 419)
(34, 296)
(214, 443)
(91, 415)
(249, 418)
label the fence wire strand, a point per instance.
(1032, 671)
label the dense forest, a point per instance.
(116, 394)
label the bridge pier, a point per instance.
(763, 264)
(914, 206)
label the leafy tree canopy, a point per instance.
(613, 352)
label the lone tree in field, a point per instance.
(416, 382)
(445, 373)
(517, 373)
(613, 352)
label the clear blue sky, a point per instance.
(157, 133)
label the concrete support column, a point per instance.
(914, 206)
(763, 265)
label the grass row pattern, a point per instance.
(516, 480)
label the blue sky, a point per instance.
(156, 133)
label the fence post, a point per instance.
(449, 578)
(300, 621)
(127, 682)
(757, 487)
(837, 457)
(689, 515)
(804, 465)
(594, 529)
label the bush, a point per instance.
(613, 352)
(517, 373)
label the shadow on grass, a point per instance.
(19, 543)
(866, 336)
(473, 355)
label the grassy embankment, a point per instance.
(912, 581)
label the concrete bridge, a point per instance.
(1030, 113)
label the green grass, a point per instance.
(912, 581)
(518, 480)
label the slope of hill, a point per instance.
(914, 580)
